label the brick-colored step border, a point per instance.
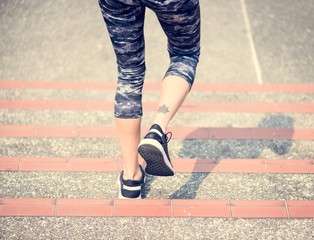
(180, 165)
(198, 86)
(178, 132)
(86, 105)
(157, 208)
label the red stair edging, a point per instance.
(149, 86)
(180, 165)
(157, 208)
(89, 105)
(178, 132)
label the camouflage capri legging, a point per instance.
(180, 20)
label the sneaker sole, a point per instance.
(157, 162)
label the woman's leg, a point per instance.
(174, 89)
(128, 132)
(125, 26)
(181, 23)
(180, 20)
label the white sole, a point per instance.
(120, 196)
(148, 146)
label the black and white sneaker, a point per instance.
(154, 149)
(131, 188)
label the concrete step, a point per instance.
(239, 186)
(153, 95)
(199, 119)
(273, 138)
(82, 228)
(40, 104)
(232, 31)
(180, 165)
(197, 148)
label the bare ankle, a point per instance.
(137, 175)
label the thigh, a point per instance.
(180, 20)
(125, 20)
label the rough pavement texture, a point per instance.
(67, 40)
(156, 228)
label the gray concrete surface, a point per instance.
(200, 119)
(67, 40)
(197, 148)
(182, 185)
(54, 40)
(156, 228)
(152, 96)
(284, 37)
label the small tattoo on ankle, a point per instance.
(163, 109)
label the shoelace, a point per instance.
(168, 137)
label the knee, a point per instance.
(131, 73)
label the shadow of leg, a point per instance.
(148, 183)
(279, 147)
(230, 148)
(189, 189)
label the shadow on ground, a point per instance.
(232, 149)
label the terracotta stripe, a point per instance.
(56, 104)
(245, 107)
(178, 132)
(258, 209)
(247, 87)
(27, 207)
(151, 106)
(84, 207)
(143, 208)
(9, 164)
(300, 209)
(5, 104)
(198, 86)
(201, 208)
(157, 208)
(17, 131)
(78, 85)
(180, 165)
